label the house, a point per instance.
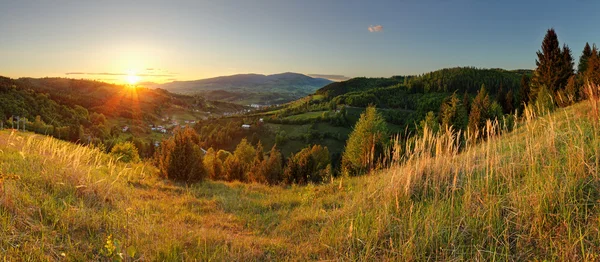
(261, 120)
(125, 129)
(244, 126)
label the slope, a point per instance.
(531, 194)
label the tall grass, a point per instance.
(525, 195)
(529, 194)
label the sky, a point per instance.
(163, 41)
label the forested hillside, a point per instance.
(95, 112)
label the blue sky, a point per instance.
(183, 40)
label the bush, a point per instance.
(126, 152)
(180, 157)
(311, 164)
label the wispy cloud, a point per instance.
(375, 28)
(330, 77)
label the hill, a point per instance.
(457, 79)
(100, 113)
(531, 194)
(328, 116)
(250, 88)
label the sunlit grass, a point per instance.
(531, 194)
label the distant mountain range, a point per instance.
(249, 88)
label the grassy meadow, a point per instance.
(531, 194)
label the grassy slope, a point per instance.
(529, 194)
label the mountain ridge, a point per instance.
(251, 87)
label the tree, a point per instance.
(479, 110)
(126, 152)
(430, 122)
(239, 164)
(234, 169)
(453, 113)
(256, 173)
(583, 59)
(273, 167)
(180, 157)
(213, 164)
(509, 102)
(365, 144)
(524, 91)
(311, 164)
(554, 66)
(592, 72)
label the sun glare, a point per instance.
(132, 78)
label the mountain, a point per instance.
(250, 88)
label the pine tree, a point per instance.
(479, 110)
(566, 70)
(583, 59)
(554, 66)
(592, 72)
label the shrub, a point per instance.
(126, 152)
(311, 164)
(180, 157)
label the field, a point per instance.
(531, 194)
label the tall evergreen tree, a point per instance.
(583, 59)
(566, 70)
(592, 72)
(554, 66)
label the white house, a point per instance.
(245, 126)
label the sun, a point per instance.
(132, 78)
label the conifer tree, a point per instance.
(592, 72)
(479, 110)
(554, 66)
(583, 59)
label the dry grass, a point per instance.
(531, 194)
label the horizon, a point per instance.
(119, 42)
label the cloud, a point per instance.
(168, 74)
(330, 77)
(375, 28)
